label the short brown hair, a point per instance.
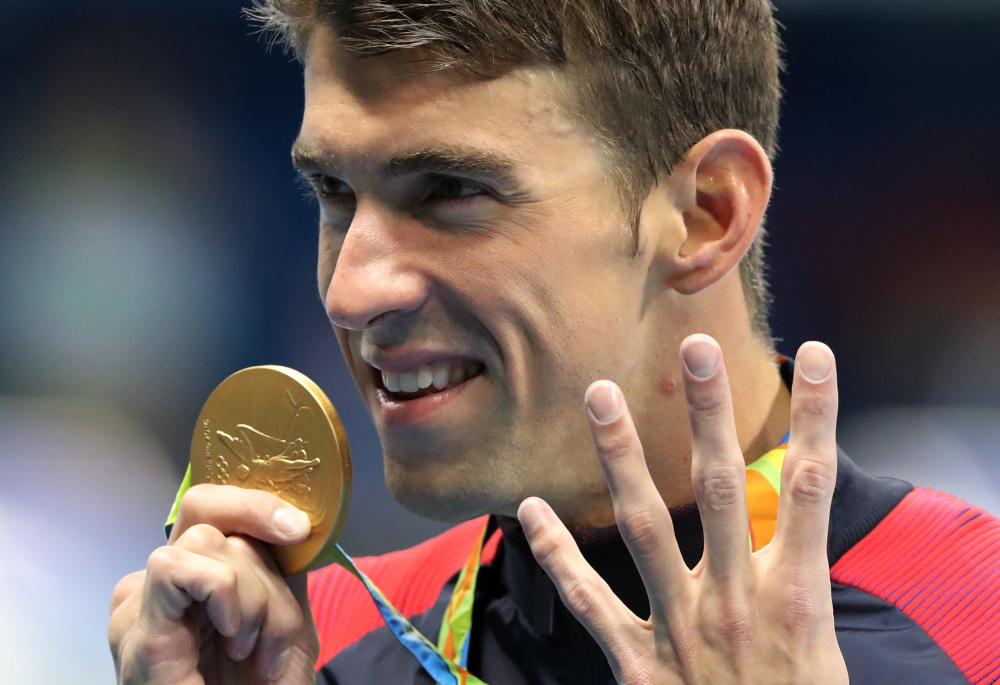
(652, 77)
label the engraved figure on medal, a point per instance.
(280, 465)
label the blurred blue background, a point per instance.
(153, 240)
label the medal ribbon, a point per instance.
(763, 491)
(439, 661)
(446, 662)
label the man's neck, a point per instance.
(761, 403)
(762, 433)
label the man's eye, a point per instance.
(328, 187)
(450, 188)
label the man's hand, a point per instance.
(211, 606)
(762, 619)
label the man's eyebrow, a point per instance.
(306, 158)
(444, 160)
(441, 160)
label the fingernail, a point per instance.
(701, 357)
(530, 514)
(235, 619)
(815, 360)
(246, 645)
(279, 665)
(290, 521)
(603, 402)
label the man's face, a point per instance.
(480, 273)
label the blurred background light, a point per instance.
(107, 287)
(79, 500)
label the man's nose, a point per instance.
(376, 273)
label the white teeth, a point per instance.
(441, 376)
(408, 382)
(391, 381)
(425, 377)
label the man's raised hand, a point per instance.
(737, 618)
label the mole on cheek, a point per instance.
(668, 385)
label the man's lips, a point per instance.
(399, 408)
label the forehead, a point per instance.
(375, 105)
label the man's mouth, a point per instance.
(429, 379)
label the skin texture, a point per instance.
(472, 221)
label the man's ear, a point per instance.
(721, 191)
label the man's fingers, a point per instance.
(177, 578)
(642, 516)
(242, 593)
(583, 591)
(809, 474)
(283, 619)
(242, 511)
(125, 601)
(718, 470)
(126, 587)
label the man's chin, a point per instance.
(446, 502)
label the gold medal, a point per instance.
(272, 428)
